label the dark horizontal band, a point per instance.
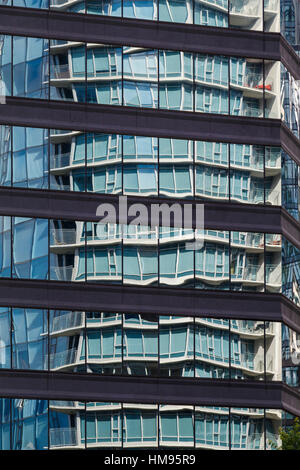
(206, 392)
(149, 122)
(148, 300)
(151, 34)
(83, 206)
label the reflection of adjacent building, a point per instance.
(78, 425)
(177, 426)
(180, 168)
(169, 346)
(290, 357)
(243, 14)
(130, 76)
(139, 255)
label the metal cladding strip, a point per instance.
(85, 296)
(133, 32)
(289, 58)
(83, 207)
(290, 228)
(148, 122)
(290, 143)
(140, 121)
(290, 400)
(88, 387)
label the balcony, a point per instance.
(273, 197)
(63, 358)
(63, 437)
(61, 273)
(247, 273)
(256, 195)
(67, 321)
(60, 161)
(255, 328)
(252, 442)
(245, 360)
(271, 5)
(61, 72)
(244, 7)
(63, 237)
(273, 276)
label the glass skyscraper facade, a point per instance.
(127, 335)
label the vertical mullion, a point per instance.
(158, 345)
(228, 13)
(85, 335)
(122, 426)
(193, 2)
(194, 345)
(229, 338)
(49, 253)
(86, 249)
(194, 425)
(158, 79)
(85, 424)
(264, 260)
(194, 227)
(229, 168)
(158, 426)
(194, 56)
(10, 337)
(264, 91)
(265, 353)
(85, 72)
(122, 343)
(11, 155)
(229, 84)
(48, 340)
(11, 65)
(48, 157)
(265, 430)
(264, 173)
(11, 224)
(229, 428)
(122, 69)
(229, 256)
(48, 422)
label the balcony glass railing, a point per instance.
(271, 5)
(248, 327)
(256, 195)
(67, 321)
(63, 437)
(62, 358)
(253, 80)
(218, 3)
(60, 161)
(273, 197)
(245, 7)
(273, 276)
(60, 72)
(273, 160)
(63, 237)
(246, 360)
(62, 273)
(247, 273)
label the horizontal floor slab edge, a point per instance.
(148, 300)
(97, 28)
(43, 385)
(83, 206)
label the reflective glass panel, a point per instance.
(30, 248)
